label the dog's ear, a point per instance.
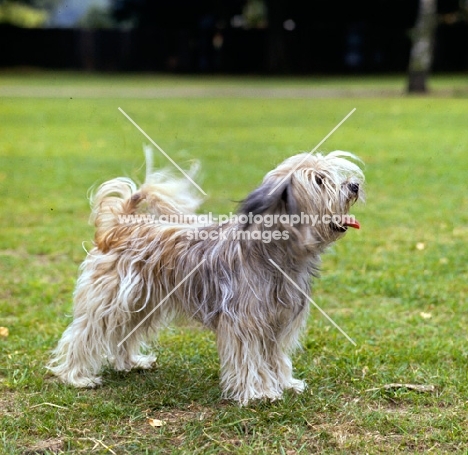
(269, 198)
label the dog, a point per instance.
(246, 279)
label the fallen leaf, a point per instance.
(156, 422)
(4, 332)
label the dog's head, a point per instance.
(316, 191)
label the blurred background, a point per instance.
(293, 37)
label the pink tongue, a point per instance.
(351, 222)
(354, 225)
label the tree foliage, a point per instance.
(26, 13)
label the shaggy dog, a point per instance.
(247, 277)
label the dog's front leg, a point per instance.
(246, 369)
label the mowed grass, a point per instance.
(398, 286)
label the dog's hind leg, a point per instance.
(126, 351)
(78, 357)
(127, 342)
(89, 339)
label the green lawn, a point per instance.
(398, 286)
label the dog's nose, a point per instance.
(353, 187)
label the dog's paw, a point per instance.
(142, 362)
(297, 385)
(83, 382)
(135, 362)
(245, 399)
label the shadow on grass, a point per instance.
(173, 381)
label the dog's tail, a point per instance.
(119, 201)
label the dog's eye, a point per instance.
(318, 180)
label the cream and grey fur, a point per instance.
(256, 313)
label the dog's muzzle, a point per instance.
(348, 221)
(354, 188)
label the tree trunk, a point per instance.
(422, 37)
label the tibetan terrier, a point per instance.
(246, 277)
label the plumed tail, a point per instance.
(164, 194)
(161, 194)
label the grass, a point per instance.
(398, 286)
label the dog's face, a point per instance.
(319, 189)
